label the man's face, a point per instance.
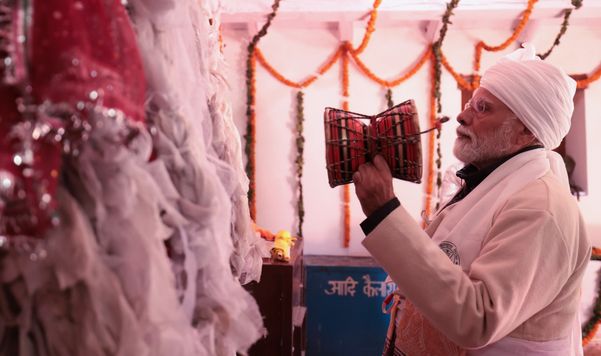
(488, 130)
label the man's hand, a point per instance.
(373, 185)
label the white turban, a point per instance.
(540, 94)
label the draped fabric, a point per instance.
(187, 112)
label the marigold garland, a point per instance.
(464, 84)
(305, 83)
(431, 141)
(592, 325)
(330, 62)
(220, 39)
(516, 33)
(395, 82)
(250, 136)
(584, 83)
(346, 190)
(371, 27)
(481, 45)
(300, 160)
(564, 27)
(596, 254)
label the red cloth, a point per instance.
(97, 35)
(416, 336)
(75, 51)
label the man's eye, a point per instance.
(481, 107)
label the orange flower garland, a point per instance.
(581, 84)
(431, 142)
(346, 190)
(464, 84)
(591, 327)
(305, 83)
(220, 39)
(345, 49)
(391, 83)
(586, 339)
(584, 83)
(371, 27)
(481, 45)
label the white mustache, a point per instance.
(464, 132)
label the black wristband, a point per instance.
(370, 223)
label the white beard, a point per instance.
(492, 145)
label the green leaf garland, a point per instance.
(389, 101)
(249, 137)
(436, 50)
(300, 149)
(564, 27)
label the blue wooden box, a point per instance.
(344, 298)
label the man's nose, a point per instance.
(464, 117)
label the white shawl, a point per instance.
(466, 225)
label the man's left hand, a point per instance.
(373, 185)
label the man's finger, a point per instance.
(357, 177)
(380, 163)
(364, 168)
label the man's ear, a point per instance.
(526, 137)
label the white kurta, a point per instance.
(519, 293)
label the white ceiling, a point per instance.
(300, 13)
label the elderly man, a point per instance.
(499, 268)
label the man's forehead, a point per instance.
(481, 93)
(485, 94)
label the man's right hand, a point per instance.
(373, 185)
